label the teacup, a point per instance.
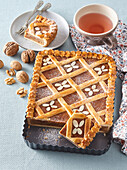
(98, 38)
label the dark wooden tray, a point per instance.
(49, 139)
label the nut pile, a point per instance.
(27, 56)
(21, 76)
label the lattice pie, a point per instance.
(80, 129)
(42, 31)
(67, 81)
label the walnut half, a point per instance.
(10, 72)
(10, 81)
(21, 92)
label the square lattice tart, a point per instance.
(42, 31)
(67, 81)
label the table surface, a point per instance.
(14, 153)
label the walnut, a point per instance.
(22, 76)
(10, 72)
(10, 81)
(28, 56)
(16, 65)
(11, 48)
(21, 92)
(1, 64)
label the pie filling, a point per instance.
(80, 130)
(65, 82)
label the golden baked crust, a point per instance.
(80, 130)
(42, 31)
(103, 117)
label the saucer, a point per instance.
(61, 37)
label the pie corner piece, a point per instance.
(80, 130)
(65, 81)
(41, 31)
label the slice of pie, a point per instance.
(66, 81)
(80, 130)
(42, 31)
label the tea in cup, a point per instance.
(97, 23)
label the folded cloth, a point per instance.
(120, 127)
(123, 107)
(125, 62)
(120, 132)
(119, 54)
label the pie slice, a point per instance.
(67, 81)
(42, 31)
(80, 130)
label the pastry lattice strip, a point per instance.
(75, 87)
(72, 74)
(38, 71)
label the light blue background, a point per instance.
(14, 153)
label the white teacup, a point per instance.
(101, 38)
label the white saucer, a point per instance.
(61, 37)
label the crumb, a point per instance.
(104, 134)
(47, 131)
(59, 137)
(56, 140)
(45, 138)
(27, 136)
(43, 130)
(28, 126)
